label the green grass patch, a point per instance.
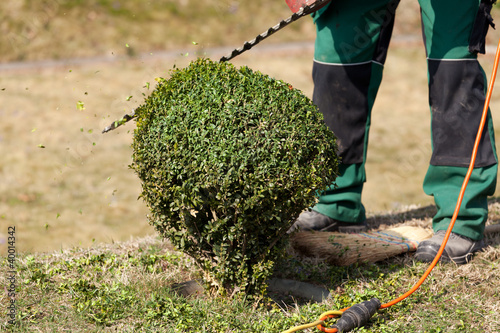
(127, 287)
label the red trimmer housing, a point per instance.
(295, 5)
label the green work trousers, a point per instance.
(350, 52)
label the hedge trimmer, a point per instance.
(300, 8)
(358, 314)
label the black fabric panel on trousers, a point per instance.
(456, 96)
(341, 92)
(477, 41)
(386, 32)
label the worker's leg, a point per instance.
(456, 97)
(351, 47)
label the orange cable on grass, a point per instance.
(459, 201)
(464, 185)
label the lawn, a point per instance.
(131, 287)
(87, 258)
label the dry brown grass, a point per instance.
(79, 188)
(48, 29)
(73, 191)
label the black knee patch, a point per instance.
(456, 96)
(341, 92)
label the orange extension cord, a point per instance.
(457, 207)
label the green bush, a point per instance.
(228, 158)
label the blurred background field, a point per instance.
(68, 68)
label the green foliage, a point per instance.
(124, 287)
(228, 158)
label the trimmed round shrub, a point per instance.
(228, 158)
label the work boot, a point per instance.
(459, 249)
(312, 220)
